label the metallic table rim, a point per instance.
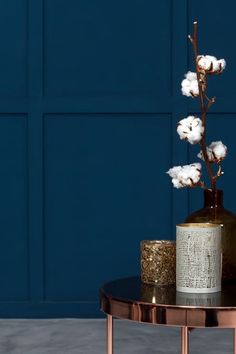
(165, 314)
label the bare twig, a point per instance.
(201, 184)
(219, 172)
(210, 103)
(213, 99)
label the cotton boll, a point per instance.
(195, 137)
(210, 57)
(210, 64)
(182, 132)
(200, 155)
(190, 88)
(174, 171)
(190, 85)
(219, 150)
(186, 87)
(185, 83)
(176, 183)
(186, 91)
(222, 63)
(216, 152)
(209, 154)
(185, 179)
(190, 129)
(190, 174)
(215, 65)
(191, 76)
(194, 89)
(196, 169)
(185, 176)
(197, 166)
(204, 63)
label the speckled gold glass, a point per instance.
(158, 262)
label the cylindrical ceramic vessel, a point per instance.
(158, 262)
(198, 258)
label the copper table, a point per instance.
(133, 300)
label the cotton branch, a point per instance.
(203, 107)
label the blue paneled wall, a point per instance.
(89, 101)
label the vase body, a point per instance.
(214, 212)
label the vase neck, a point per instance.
(213, 199)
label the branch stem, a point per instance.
(203, 107)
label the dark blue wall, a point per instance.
(89, 100)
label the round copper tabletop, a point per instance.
(131, 299)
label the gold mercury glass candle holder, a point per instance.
(158, 262)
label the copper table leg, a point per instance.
(234, 340)
(109, 334)
(184, 340)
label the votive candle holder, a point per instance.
(198, 257)
(158, 262)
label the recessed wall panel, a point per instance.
(13, 208)
(13, 39)
(105, 48)
(105, 190)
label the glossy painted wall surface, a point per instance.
(89, 100)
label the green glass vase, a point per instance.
(214, 212)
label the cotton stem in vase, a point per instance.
(193, 128)
(202, 87)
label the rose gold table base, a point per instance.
(234, 340)
(184, 337)
(184, 340)
(109, 334)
